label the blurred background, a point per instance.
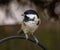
(48, 32)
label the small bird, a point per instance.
(30, 23)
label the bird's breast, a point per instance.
(31, 27)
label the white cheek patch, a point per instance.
(31, 16)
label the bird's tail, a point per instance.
(20, 32)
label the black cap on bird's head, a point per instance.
(30, 15)
(31, 12)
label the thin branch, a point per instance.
(22, 37)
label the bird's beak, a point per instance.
(23, 15)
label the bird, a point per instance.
(30, 23)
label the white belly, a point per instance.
(30, 27)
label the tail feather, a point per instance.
(20, 32)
